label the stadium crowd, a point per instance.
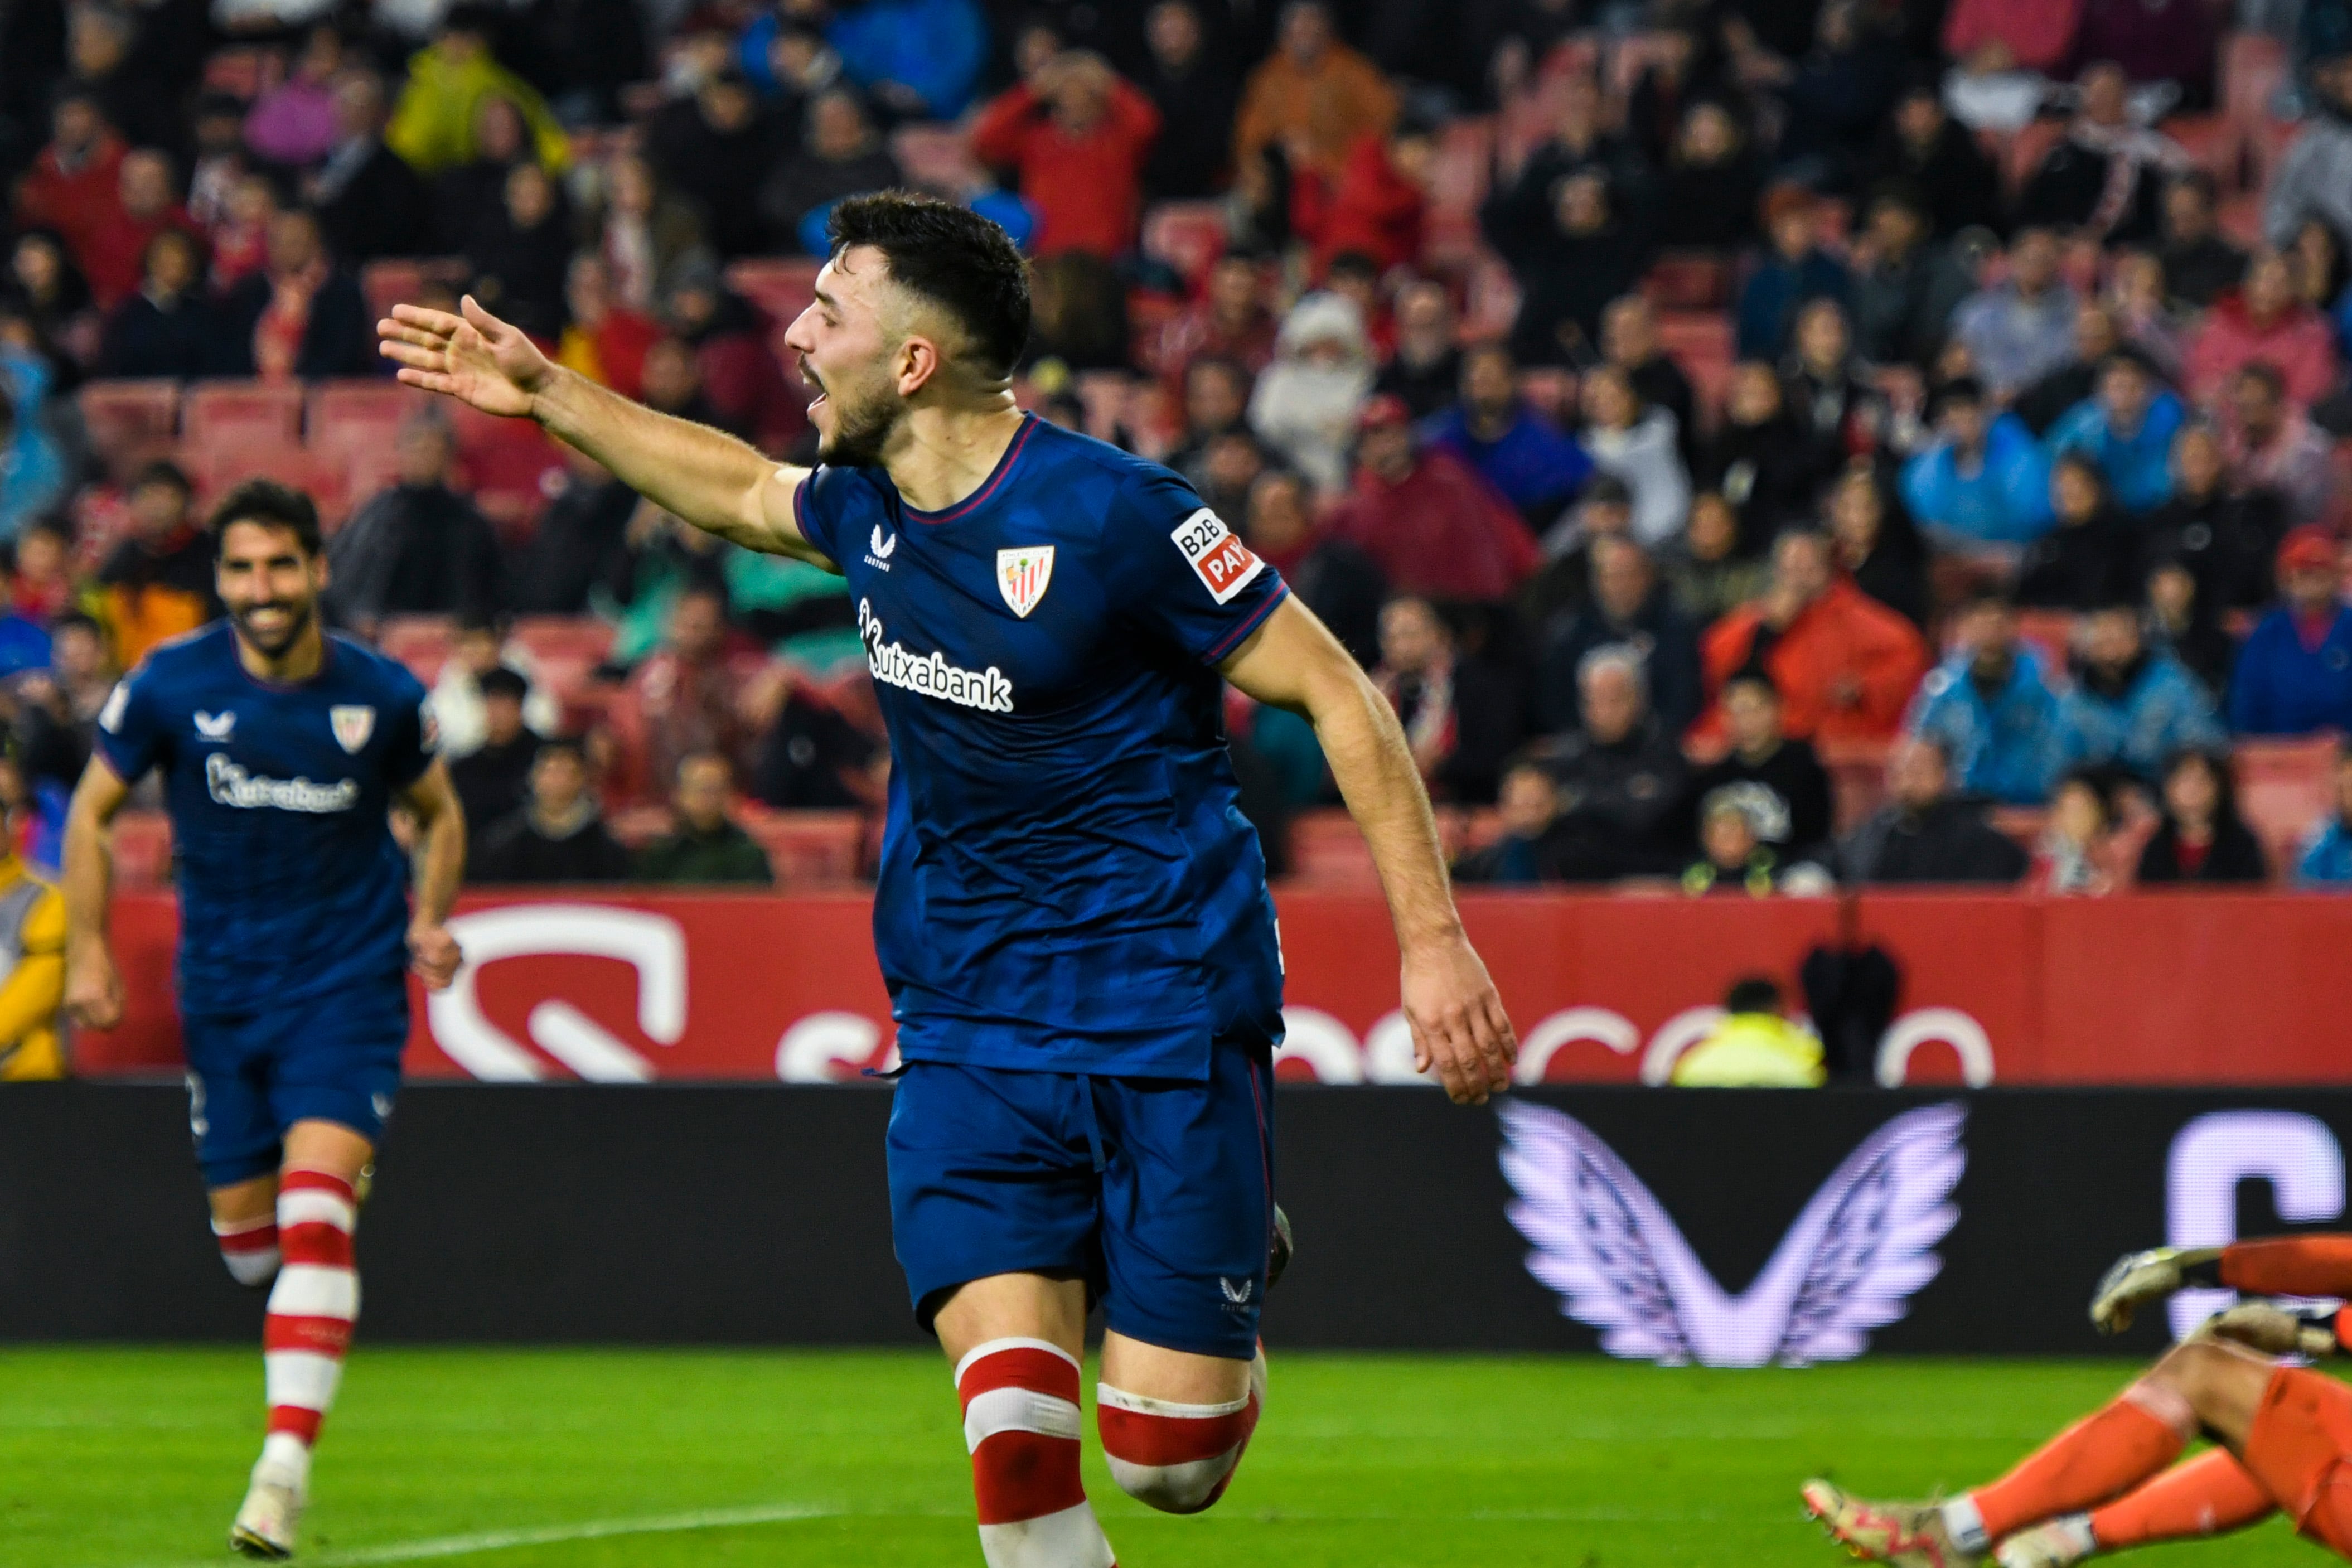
(1756, 443)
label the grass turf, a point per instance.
(135, 1458)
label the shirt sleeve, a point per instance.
(819, 504)
(132, 735)
(1184, 572)
(414, 739)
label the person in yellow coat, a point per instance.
(1755, 1047)
(432, 128)
(32, 950)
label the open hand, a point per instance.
(473, 357)
(1457, 1019)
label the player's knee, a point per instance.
(1174, 1488)
(1177, 1458)
(2179, 1387)
(249, 1249)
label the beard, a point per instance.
(270, 645)
(860, 429)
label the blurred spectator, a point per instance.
(1312, 97)
(157, 584)
(299, 316)
(1992, 36)
(521, 252)
(2264, 323)
(1582, 139)
(2272, 444)
(1306, 402)
(1230, 320)
(168, 328)
(1563, 583)
(1990, 706)
(1845, 664)
(841, 155)
(1733, 856)
(2070, 855)
(716, 147)
(370, 203)
(42, 587)
(476, 652)
(1926, 833)
(1460, 716)
(2183, 625)
(1636, 444)
(1536, 468)
(1197, 97)
(1331, 576)
(648, 232)
(33, 940)
(2225, 537)
(2309, 181)
(558, 836)
(2130, 706)
(1523, 852)
(2200, 266)
(2142, 314)
(417, 548)
(812, 757)
(1426, 369)
(1709, 189)
(1929, 151)
(1984, 486)
(703, 690)
(578, 540)
(1905, 286)
(733, 357)
(117, 246)
(581, 53)
(1216, 400)
(1780, 782)
(2058, 392)
(2295, 674)
(2020, 329)
(2127, 430)
(240, 237)
(2154, 41)
(2104, 180)
(1629, 339)
(433, 123)
(1432, 526)
(493, 777)
(1829, 391)
(1794, 268)
(918, 58)
(33, 474)
(2326, 859)
(1708, 575)
(1571, 252)
(1763, 460)
(2202, 838)
(101, 48)
(603, 338)
(1077, 137)
(467, 194)
(1878, 547)
(57, 710)
(1629, 608)
(293, 124)
(1230, 463)
(2086, 560)
(707, 847)
(1079, 314)
(74, 184)
(1839, 95)
(1620, 775)
(1754, 1045)
(1685, 65)
(2316, 262)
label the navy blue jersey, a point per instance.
(1066, 880)
(290, 885)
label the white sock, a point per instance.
(1965, 1525)
(285, 1459)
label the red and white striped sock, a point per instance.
(312, 1309)
(1020, 1422)
(249, 1248)
(1178, 1457)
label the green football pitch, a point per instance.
(135, 1458)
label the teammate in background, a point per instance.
(283, 750)
(2108, 1482)
(1072, 914)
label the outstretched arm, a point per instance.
(1457, 1019)
(93, 986)
(440, 865)
(714, 481)
(2285, 1266)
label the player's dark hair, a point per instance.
(272, 505)
(1753, 994)
(951, 256)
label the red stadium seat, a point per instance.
(244, 72)
(782, 286)
(1327, 849)
(228, 413)
(556, 639)
(420, 642)
(2254, 68)
(2214, 143)
(354, 415)
(1689, 280)
(399, 280)
(1857, 770)
(2050, 633)
(809, 848)
(217, 469)
(142, 849)
(128, 421)
(2284, 785)
(1187, 235)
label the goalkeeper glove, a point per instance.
(2150, 1277)
(2276, 1330)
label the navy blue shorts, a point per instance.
(329, 1058)
(1158, 1193)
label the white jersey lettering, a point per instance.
(230, 784)
(929, 675)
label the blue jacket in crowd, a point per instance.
(2012, 746)
(2326, 859)
(1536, 466)
(2283, 688)
(2138, 469)
(2006, 500)
(2163, 711)
(1776, 290)
(935, 47)
(32, 470)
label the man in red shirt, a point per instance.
(1845, 664)
(1431, 523)
(113, 258)
(75, 185)
(1078, 137)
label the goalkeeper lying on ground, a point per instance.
(2108, 1482)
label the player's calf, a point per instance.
(1179, 1458)
(1021, 1423)
(312, 1309)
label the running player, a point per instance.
(282, 750)
(2108, 1482)
(1073, 915)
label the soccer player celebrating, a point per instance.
(2109, 1482)
(282, 750)
(1072, 916)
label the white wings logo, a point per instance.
(1861, 1250)
(215, 727)
(884, 547)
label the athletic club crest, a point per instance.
(1022, 575)
(352, 726)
